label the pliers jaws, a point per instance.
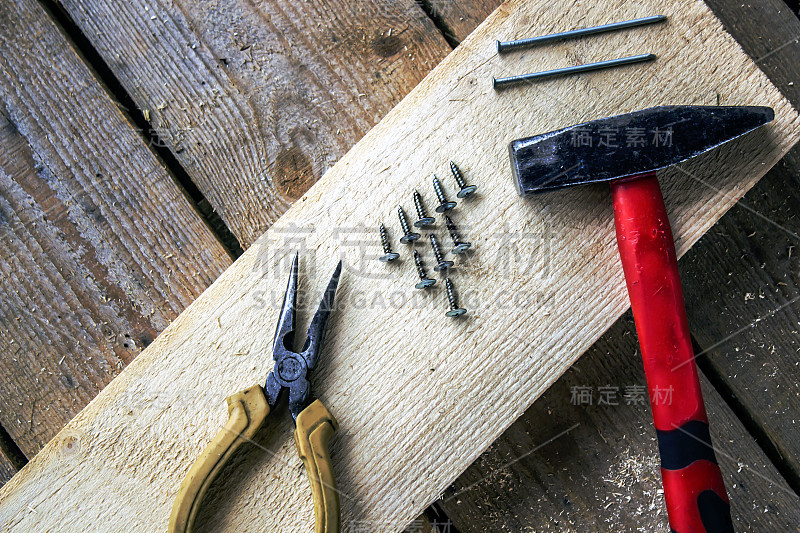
(292, 369)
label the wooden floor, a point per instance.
(144, 145)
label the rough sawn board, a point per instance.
(418, 397)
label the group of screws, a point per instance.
(425, 221)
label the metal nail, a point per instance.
(499, 83)
(408, 235)
(424, 280)
(533, 41)
(455, 310)
(444, 204)
(441, 264)
(459, 246)
(423, 220)
(465, 190)
(388, 255)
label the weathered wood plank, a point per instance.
(257, 101)
(101, 250)
(718, 281)
(411, 68)
(11, 457)
(6, 469)
(375, 372)
(743, 292)
(568, 465)
(461, 18)
(741, 281)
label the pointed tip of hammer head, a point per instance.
(625, 145)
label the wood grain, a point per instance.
(459, 19)
(756, 367)
(741, 279)
(401, 71)
(6, 469)
(101, 250)
(743, 294)
(258, 100)
(570, 466)
(406, 407)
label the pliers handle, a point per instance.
(247, 411)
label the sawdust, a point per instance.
(635, 490)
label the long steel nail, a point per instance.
(533, 41)
(499, 83)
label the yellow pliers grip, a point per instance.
(247, 411)
(315, 427)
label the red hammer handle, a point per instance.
(693, 485)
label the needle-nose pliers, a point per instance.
(248, 409)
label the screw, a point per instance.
(459, 246)
(441, 264)
(424, 280)
(444, 205)
(409, 236)
(424, 219)
(466, 190)
(455, 310)
(389, 255)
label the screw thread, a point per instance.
(419, 206)
(437, 252)
(403, 221)
(451, 228)
(451, 294)
(419, 265)
(457, 175)
(437, 188)
(387, 247)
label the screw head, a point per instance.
(409, 238)
(444, 265)
(445, 206)
(466, 191)
(388, 258)
(456, 312)
(425, 283)
(462, 247)
(425, 222)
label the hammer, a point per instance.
(627, 150)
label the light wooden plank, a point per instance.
(413, 412)
(568, 465)
(258, 100)
(100, 247)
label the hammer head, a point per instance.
(627, 145)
